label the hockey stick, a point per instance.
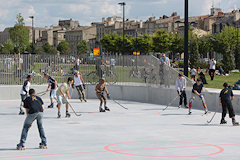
(213, 115)
(71, 106)
(41, 93)
(170, 103)
(119, 104)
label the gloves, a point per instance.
(84, 86)
(108, 96)
(201, 95)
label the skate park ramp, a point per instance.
(143, 132)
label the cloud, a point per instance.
(160, 2)
(84, 9)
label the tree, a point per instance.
(82, 47)
(177, 45)
(29, 47)
(39, 51)
(64, 48)
(194, 53)
(19, 34)
(141, 44)
(8, 47)
(112, 43)
(162, 41)
(46, 47)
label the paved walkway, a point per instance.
(144, 132)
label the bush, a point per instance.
(202, 65)
(180, 64)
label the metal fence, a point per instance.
(122, 70)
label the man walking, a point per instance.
(212, 68)
(34, 109)
(225, 99)
(181, 84)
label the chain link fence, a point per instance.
(120, 70)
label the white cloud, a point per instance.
(109, 9)
(160, 2)
(84, 9)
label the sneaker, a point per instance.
(20, 146)
(43, 145)
(223, 121)
(106, 108)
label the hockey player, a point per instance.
(197, 93)
(225, 100)
(100, 88)
(181, 84)
(63, 95)
(52, 83)
(80, 86)
(34, 109)
(24, 92)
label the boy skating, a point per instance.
(181, 84)
(63, 95)
(225, 100)
(34, 109)
(197, 93)
(100, 88)
(80, 86)
(52, 83)
(24, 92)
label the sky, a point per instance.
(48, 12)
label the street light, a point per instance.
(186, 56)
(32, 17)
(123, 5)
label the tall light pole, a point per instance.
(123, 47)
(186, 28)
(32, 17)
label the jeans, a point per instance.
(229, 107)
(183, 96)
(27, 124)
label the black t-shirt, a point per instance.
(226, 95)
(198, 88)
(34, 104)
(52, 82)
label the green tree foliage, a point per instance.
(48, 49)
(82, 47)
(162, 41)
(29, 48)
(64, 48)
(177, 45)
(111, 43)
(142, 44)
(39, 51)
(194, 53)
(19, 34)
(7, 47)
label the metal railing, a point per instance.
(122, 70)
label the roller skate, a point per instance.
(101, 109)
(234, 122)
(68, 115)
(43, 145)
(21, 112)
(59, 115)
(223, 121)
(20, 146)
(106, 108)
(51, 105)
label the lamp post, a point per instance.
(186, 56)
(123, 5)
(32, 17)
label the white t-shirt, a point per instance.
(25, 87)
(213, 64)
(77, 81)
(193, 72)
(78, 62)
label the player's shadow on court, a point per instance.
(14, 149)
(174, 114)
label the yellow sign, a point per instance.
(96, 51)
(136, 53)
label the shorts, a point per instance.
(53, 93)
(61, 99)
(23, 97)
